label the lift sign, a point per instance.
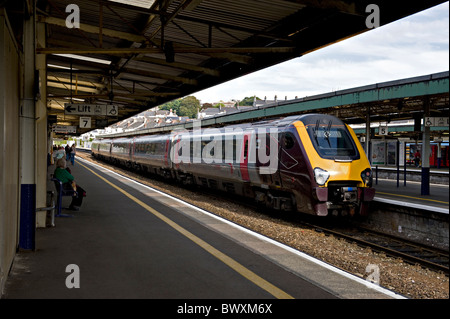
(90, 109)
(435, 121)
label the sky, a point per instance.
(413, 46)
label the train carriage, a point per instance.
(338, 177)
(151, 154)
(311, 163)
(101, 149)
(212, 157)
(121, 151)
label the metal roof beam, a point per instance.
(91, 72)
(125, 95)
(125, 51)
(219, 27)
(95, 30)
(75, 81)
(161, 76)
(73, 88)
(219, 53)
(171, 16)
(178, 65)
(345, 6)
(65, 47)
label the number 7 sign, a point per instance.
(85, 122)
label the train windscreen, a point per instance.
(332, 140)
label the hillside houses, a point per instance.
(156, 117)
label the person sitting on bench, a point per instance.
(68, 182)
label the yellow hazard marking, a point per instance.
(419, 198)
(262, 283)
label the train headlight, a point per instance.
(321, 176)
(366, 176)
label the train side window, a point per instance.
(289, 141)
(180, 149)
(246, 149)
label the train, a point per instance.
(311, 163)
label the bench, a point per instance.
(62, 192)
(52, 207)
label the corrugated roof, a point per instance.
(212, 41)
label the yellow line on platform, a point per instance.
(419, 198)
(245, 272)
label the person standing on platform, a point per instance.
(417, 158)
(73, 152)
(67, 149)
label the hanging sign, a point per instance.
(91, 109)
(85, 122)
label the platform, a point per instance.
(388, 191)
(402, 211)
(130, 241)
(413, 174)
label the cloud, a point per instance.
(413, 46)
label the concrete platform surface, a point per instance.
(129, 241)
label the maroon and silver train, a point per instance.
(310, 163)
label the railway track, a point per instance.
(410, 252)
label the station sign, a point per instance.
(91, 109)
(85, 122)
(383, 130)
(64, 129)
(436, 121)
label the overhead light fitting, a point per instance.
(147, 4)
(85, 58)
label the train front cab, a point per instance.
(338, 170)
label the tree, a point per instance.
(248, 101)
(172, 105)
(189, 106)
(207, 106)
(219, 105)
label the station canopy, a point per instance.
(138, 54)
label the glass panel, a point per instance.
(333, 142)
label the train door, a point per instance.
(131, 150)
(289, 154)
(167, 153)
(268, 150)
(293, 169)
(244, 155)
(173, 147)
(433, 156)
(133, 160)
(447, 155)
